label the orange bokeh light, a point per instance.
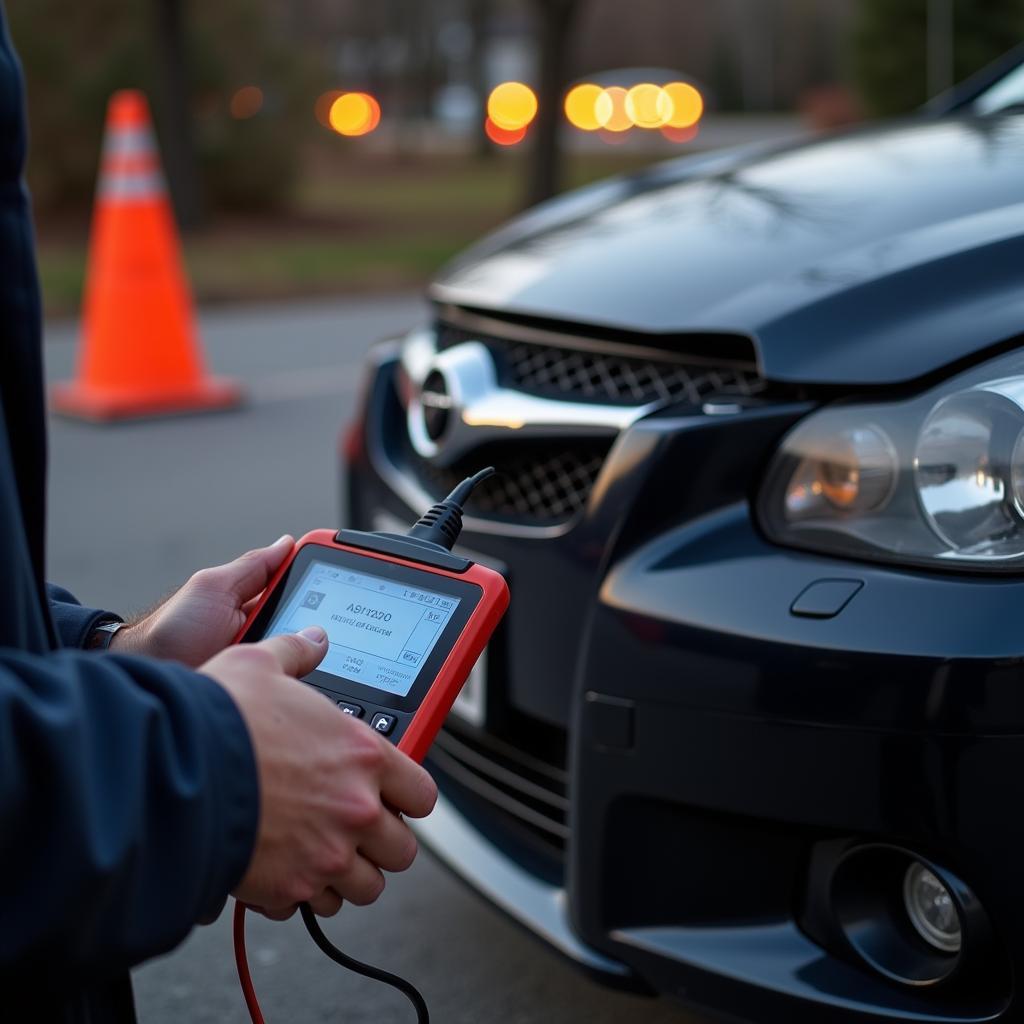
(511, 106)
(687, 105)
(582, 105)
(648, 106)
(618, 119)
(502, 136)
(247, 102)
(354, 114)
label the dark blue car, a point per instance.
(752, 733)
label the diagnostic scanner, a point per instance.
(406, 619)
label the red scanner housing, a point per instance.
(432, 698)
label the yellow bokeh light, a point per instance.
(675, 109)
(648, 106)
(618, 120)
(687, 105)
(354, 113)
(581, 107)
(512, 106)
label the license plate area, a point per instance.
(471, 703)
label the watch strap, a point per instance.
(102, 635)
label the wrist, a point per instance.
(125, 640)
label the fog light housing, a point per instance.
(931, 909)
(908, 918)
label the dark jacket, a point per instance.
(128, 789)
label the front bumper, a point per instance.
(719, 746)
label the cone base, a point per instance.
(98, 406)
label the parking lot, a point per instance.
(135, 508)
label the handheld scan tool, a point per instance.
(406, 620)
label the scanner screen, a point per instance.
(381, 631)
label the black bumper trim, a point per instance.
(777, 959)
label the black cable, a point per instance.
(343, 959)
(441, 524)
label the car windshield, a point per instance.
(1007, 92)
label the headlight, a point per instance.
(937, 480)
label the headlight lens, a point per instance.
(938, 479)
(851, 471)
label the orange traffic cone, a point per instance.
(140, 355)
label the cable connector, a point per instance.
(442, 523)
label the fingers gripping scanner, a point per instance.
(406, 621)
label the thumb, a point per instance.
(298, 653)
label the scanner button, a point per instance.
(350, 709)
(382, 723)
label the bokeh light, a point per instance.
(502, 136)
(680, 134)
(354, 114)
(648, 106)
(247, 102)
(584, 105)
(618, 119)
(512, 106)
(674, 109)
(687, 105)
(322, 107)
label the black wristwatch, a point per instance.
(100, 637)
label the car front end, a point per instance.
(752, 732)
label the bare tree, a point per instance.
(478, 15)
(179, 149)
(555, 20)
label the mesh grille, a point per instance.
(542, 485)
(607, 377)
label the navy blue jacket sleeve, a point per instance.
(74, 624)
(128, 808)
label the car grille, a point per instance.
(542, 485)
(612, 378)
(548, 483)
(522, 792)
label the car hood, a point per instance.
(872, 257)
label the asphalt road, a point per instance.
(134, 509)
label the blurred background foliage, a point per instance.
(275, 204)
(87, 51)
(889, 52)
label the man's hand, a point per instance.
(331, 789)
(203, 617)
